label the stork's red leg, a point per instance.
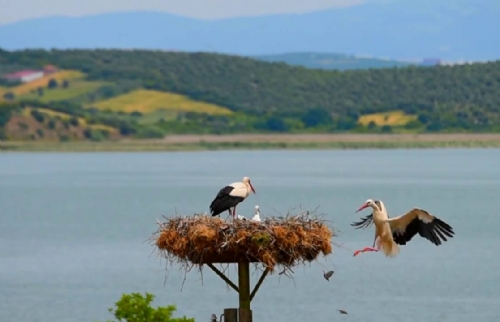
(366, 249)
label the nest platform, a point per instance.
(283, 241)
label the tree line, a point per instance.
(279, 97)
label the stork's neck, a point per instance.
(249, 189)
(379, 214)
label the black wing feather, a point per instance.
(435, 231)
(223, 201)
(364, 222)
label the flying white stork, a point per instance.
(391, 232)
(230, 196)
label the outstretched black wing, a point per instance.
(419, 221)
(364, 222)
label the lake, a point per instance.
(74, 230)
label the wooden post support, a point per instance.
(244, 285)
(230, 315)
(244, 315)
(259, 283)
(227, 280)
(237, 315)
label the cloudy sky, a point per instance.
(15, 10)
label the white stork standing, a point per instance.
(230, 196)
(391, 232)
(256, 216)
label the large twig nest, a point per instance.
(202, 239)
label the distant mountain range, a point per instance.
(333, 61)
(410, 29)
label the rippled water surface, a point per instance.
(73, 231)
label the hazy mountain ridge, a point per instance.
(332, 61)
(409, 30)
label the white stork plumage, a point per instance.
(230, 196)
(391, 232)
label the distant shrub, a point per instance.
(38, 116)
(150, 133)
(23, 125)
(126, 129)
(386, 129)
(95, 135)
(137, 308)
(9, 96)
(52, 83)
(73, 121)
(415, 124)
(51, 124)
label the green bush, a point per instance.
(52, 83)
(51, 124)
(96, 135)
(9, 96)
(38, 116)
(73, 121)
(150, 133)
(135, 307)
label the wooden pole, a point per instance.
(244, 315)
(244, 285)
(230, 315)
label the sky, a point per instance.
(17, 10)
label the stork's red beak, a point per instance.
(251, 187)
(365, 205)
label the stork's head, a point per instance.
(368, 203)
(246, 180)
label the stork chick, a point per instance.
(256, 216)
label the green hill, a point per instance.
(277, 97)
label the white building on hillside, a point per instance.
(25, 75)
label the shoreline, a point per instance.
(264, 142)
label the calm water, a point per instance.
(73, 230)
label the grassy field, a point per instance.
(26, 88)
(262, 142)
(147, 101)
(394, 118)
(75, 88)
(155, 116)
(64, 116)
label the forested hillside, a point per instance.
(261, 96)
